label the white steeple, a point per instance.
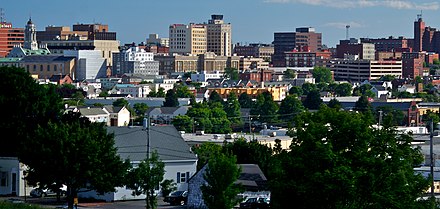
(30, 36)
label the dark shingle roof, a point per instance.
(132, 143)
(46, 58)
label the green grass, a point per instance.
(8, 205)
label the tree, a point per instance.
(296, 90)
(152, 93)
(121, 102)
(183, 92)
(167, 186)
(245, 100)
(206, 151)
(289, 108)
(334, 103)
(308, 87)
(344, 89)
(215, 97)
(140, 108)
(322, 74)
(289, 74)
(160, 92)
(265, 108)
(220, 191)
(367, 168)
(26, 105)
(183, 123)
(75, 152)
(231, 73)
(363, 104)
(171, 99)
(313, 100)
(145, 178)
(232, 108)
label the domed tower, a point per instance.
(30, 36)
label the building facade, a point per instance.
(89, 64)
(45, 66)
(188, 39)
(361, 70)
(219, 36)
(9, 37)
(135, 61)
(347, 48)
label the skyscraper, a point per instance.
(9, 37)
(187, 39)
(219, 37)
(419, 28)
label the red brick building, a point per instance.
(9, 37)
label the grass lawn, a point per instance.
(9, 205)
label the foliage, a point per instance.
(364, 90)
(265, 108)
(388, 77)
(232, 108)
(334, 103)
(183, 123)
(289, 108)
(209, 118)
(205, 152)
(221, 191)
(363, 104)
(160, 92)
(215, 97)
(296, 90)
(167, 186)
(390, 116)
(26, 105)
(313, 100)
(9, 205)
(245, 100)
(322, 74)
(308, 87)
(145, 177)
(140, 108)
(337, 160)
(121, 102)
(289, 74)
(75, 152)
(171, 99)
(104, 94)
(183, 92)
(69, 91)
(344, 89)
(231, 73)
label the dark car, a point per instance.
(177, 198)
(255, 202)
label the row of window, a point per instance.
(41, 67)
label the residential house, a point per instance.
(164, 115)
(380, 91)
(61, 79)
(119, 116)
(251, 178)
(12, 182)
(131, 142)
(95, 114)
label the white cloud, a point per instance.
(395, 4)
(342, 25)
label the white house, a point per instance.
(119, 116)
(164, 115)
(180, 161)
(95, 114)
(11, 177)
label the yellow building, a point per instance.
(188, 39)
(45, 66)
(278, 93)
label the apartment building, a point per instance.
(188, 39)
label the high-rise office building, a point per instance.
(419, 28)
(219, 36)
(9, 37)
(188, 39)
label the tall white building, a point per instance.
(188, 39)
(135, 61)
(89, 64)
(219, 36)
(361, 70)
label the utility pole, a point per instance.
(147, 129)
(431, 136)
(380, 117)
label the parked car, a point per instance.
(177, 198)
(255, 202)
(40, 192)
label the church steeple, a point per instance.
(30, 36)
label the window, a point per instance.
(3, 179)
(182, 177)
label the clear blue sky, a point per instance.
(253, 21)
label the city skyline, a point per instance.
(253, 21)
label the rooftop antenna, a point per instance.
(346, 32)
(2, 15)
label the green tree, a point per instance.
(313, 100)
(183, 91)
(363, 104)
(232, 108)
(140, 108)
(352, 164)
(171, 99)
(160, 92)
(220, 191)
(145, 177)
(296, 90)
(322, 74)
(215, 97)
(183, 123)
(75, 152)
(27, 104)
(104, 94)
(152, 93)
(206, 151)
(308, 87)
(334, 103)
(231, 73)
(344, 89)
(167, 186)
(245, 100)
(265, 108)
(121, 102)
(290, 74)
(289, 108)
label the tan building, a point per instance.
(60, 33)
(45, 66)
(210, 62)
(278, 93)
(107, 47)
(253, 63)
(219, 36)
(177, 63)
(187, 39)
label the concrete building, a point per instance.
(45, 66)
(107, 47)
(361, 70)
(210, 62)
(188, 39)
(307, 59)
(390, 44)
(135, 61)
(154, 40)
(219, 36)
(9, 37)
(60, 33)
(95, 31)
(253, 63)
(89, 64)
(264, 51)
(345, 48)
(177, 63)
(412, 64)
(303, 39)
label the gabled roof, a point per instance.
(112, 109)
(166, 110)
(89, 111)
(131, 143)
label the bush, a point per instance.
(9, 205)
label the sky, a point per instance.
(253, 21)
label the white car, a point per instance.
(40, 192)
